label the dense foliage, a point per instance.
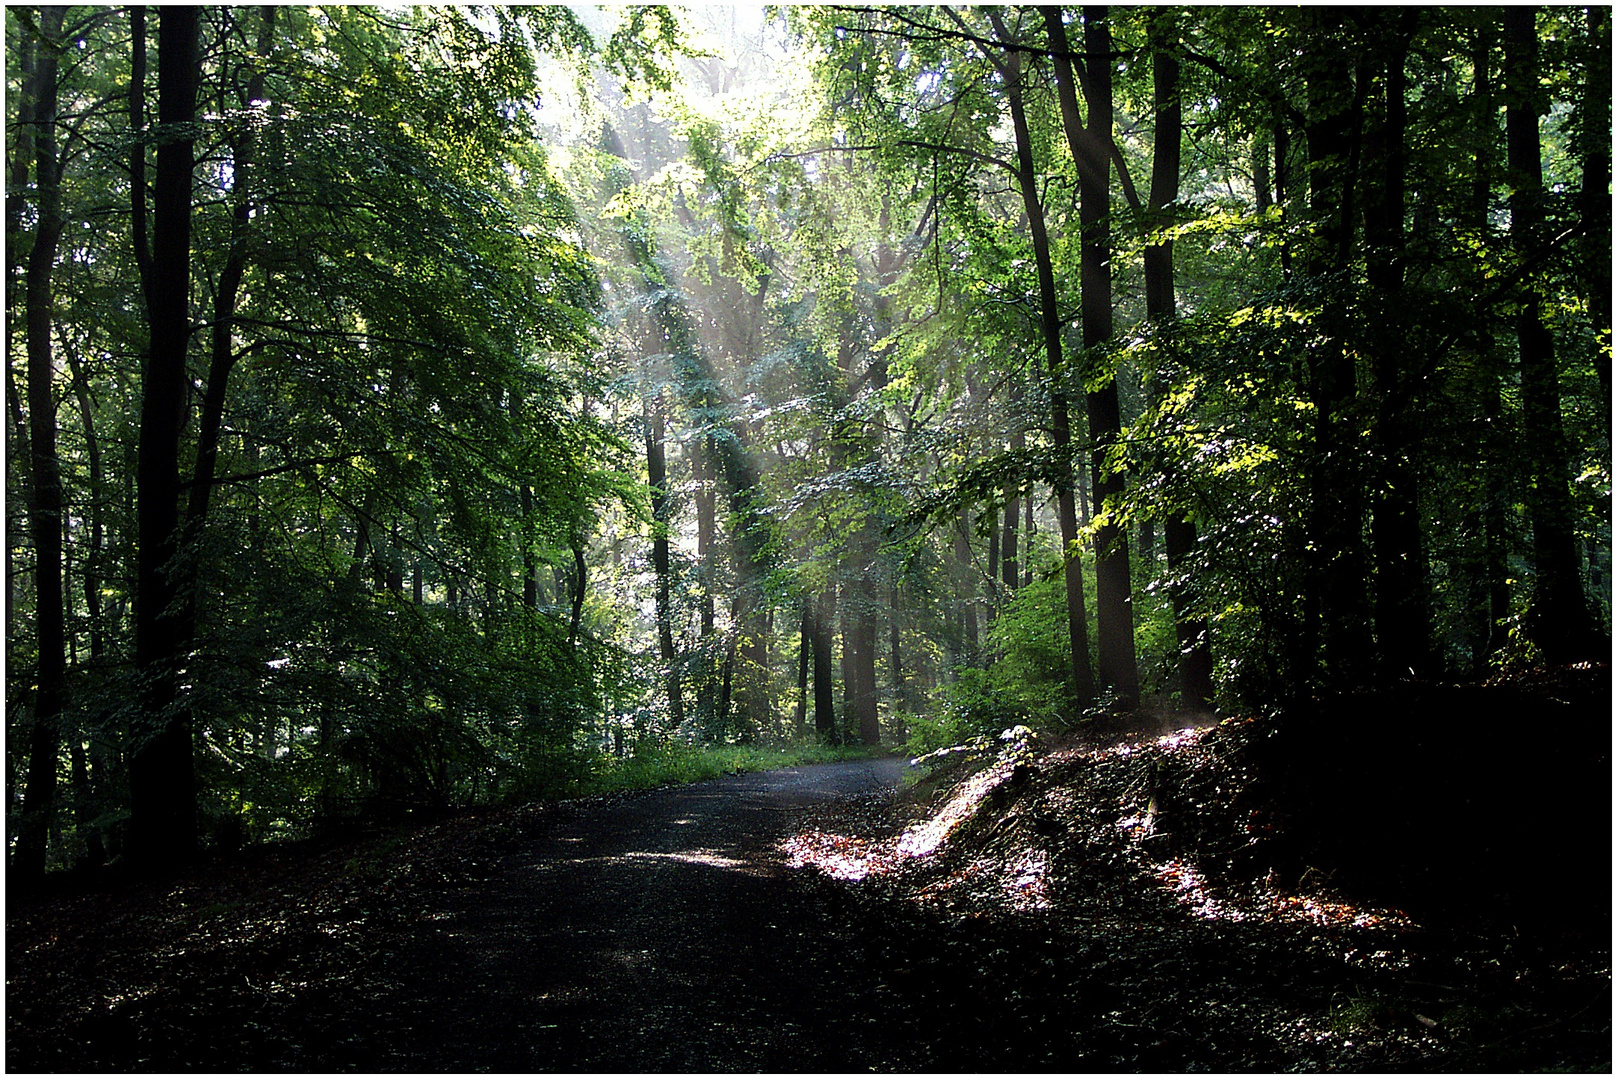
(425, 406)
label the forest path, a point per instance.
(655, 932)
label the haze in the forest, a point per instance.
(412, 408)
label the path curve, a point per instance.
(658, 932)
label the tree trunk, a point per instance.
(859, 645)
(1179, 533)
(1336, 640)
(95, 773)
(1401, 607)
(825, 694)
(1090, 146)
(704, 471)
(162, 826)
(1080, 683)
(580, 583)
(1494, 478)
(657, 480)
(805, 635)
(45, 517)
(901, 695)
(1560, 622)
(1595, 202)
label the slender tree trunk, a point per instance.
(581, 584)
(138, 225)
(162, 825)
(1401, 606)
(1494, 478)
(1080, 682)
(805, 636)
(45, 517)
(1595, 202)
(1028, 539)
(1090, 146)
(657, 479)
(704, 470)
(825, 693)
(901, 695)
(1336, 616)
(95, 772)
(21, 167)
(1263, 192)
(1560, 622)
(1179, 533)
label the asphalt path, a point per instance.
(657, 932)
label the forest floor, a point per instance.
(1415, 881)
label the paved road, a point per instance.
(656, 932)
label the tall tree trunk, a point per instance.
(1090, 145)
(657, 480)
(1560, 623)
(162, 826)
(1495, 477)
(45, 516)
(1401, 606)
(901, 693)
(1336, 641)
(821, 642)
(859, 654)
(95, 772)
(581, 584)
(805, 638)
(20, 168)
(1595, 201)
(1179, 532)
(703, 468)
(1080, 682)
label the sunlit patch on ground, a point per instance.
(926, 837)
(848, 858)
(1194, 893)
(843, 858)
(1025, 881)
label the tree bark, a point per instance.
(1179, 532)
(901, 692)
(45, 517)
(1494, 476)
(805, 636)
(1401, 606)
(1090, 145)
(1595, 202)
(1336, 642)
(1080, 682)
(825, 693)
(703, 468)
(1560, 621)
(95, 773)
(162, 826)
(657, 480)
